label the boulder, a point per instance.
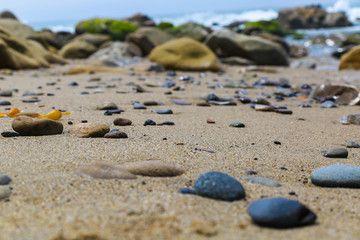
(141, 41)
(298, 51)
(185, 54)
(16, 28)
(46, 39)
(77, 49)
(18, 53)
(311, 17)
(156, 36)
(64, 37)
(7, 14)
(191, 30)
(95, 39)
(141, 20)
(275, 39)
(351, 59)
(261, 51)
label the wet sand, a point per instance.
(49, 201)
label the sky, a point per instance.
(40, 10)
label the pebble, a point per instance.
(336, 153)
(237, 125)
(27, 126)
(283, 111)
(280, 213)
(244, 100)
(251, 172)
(352, 144)
(139, 106)
(84, 93)
(163, 111)
(115, 111)
(261, 101)
(31, 100)
(151, 103)
(104, 171)
(89, 130)
(168, 123)
(210, 121)
(5, 192)
(153, 168)
(10, 134)
(122, 122)
(203, 105)
(108, 106)
(222, 103)
(5, 103)
(329, 104)
(181, 102)
(264, 181)
(263, 108)
(346, 176)
(6, 93)
(149, 122)
(218, 186)
(116, 134)
(73, 84)
(4, 180)
(212, 97)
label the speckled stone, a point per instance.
(280, 213)
(218, 186)
(153, 169)
(347, 176)
(104, 171)
(89, 130)
(263, 181)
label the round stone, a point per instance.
(122, 122)
(27, 126)
(149, 122)
(280, 213)
(347, 176)
(89, 130)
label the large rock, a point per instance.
(261, 51)
(141, 41)
(94, 39)
(155, 35)
(311, 17)
(19, 53)
(16, 28)
(192, 30)
(27, 126)
(350, 60)
(7, 14)
(77, 49)
(141, 20)
(46, 39)
(185, 54)
(276, 39)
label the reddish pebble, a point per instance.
(210, 121)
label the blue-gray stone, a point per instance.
(139, 106)
(4, 180)
(352, 144)
(180, 102)
(244, 100)
(347, 176)
(329, 104)
(163, 111)
(212, 97)
(218, 186)
(169, 123)
(264, 181)
(280, 213)
(5, 103)
(31, 100)
(336, 153)
(149, 122)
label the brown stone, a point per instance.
(89, 130)
(351, 59)
(153, 168)
(104, 171)
(27, 126)
(122, 122)
(141, 41)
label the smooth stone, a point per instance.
(237, 125)
(108, 106)
(264, 181)
(122, 122)
(139, 106)
(149, 122)
(352, 144)
(346, 176)
(181, 102)
(27, 126)
(73, 84)
(89, 130)
(104, 171)
(280, 213)
(163, 111)
(6, 93)
(222, 103)
(4, 180)
(5, 103)
(244, 100)
(168, 123)
(263, 108)
(5, 192)
(115, 111)
(153, 169)
(116, 134)
(329, 104)
(31, 100)
(210, 121)
(203, 105)
(212, 97)
(84, 93)
(283, 111)
(336, 153)
(10, 134)
(218, 186)
(151, 103)
(261, 101)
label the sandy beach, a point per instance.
(49, 201)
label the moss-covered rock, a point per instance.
(165, 25)
(191, 30)
(77, 49)
(271, 26)
(155, 35)
(185, 54)
(117, 29)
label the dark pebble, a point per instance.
(84, 121)
(31, 100)
(163, 111)
(251, 172)
(149, 122)
(352, 144)
(5, 103)
(116, 134)
(280, 213)
(167, 123)
(336, 153)
(203, 105)
(4, 180)
(277, 142)
(10, 134)
(73, 84)
(122, 122)
(84, 93)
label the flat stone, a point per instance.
(329, 104)
(31, 100)
(336, 153)
(210, 121)
(181, 102)
(108, 106)
(346, 176)
(122, 122)
(104, 171)
(203, 105)
(4, 180)
(263, 108)
(352, 144)
(283, 111)
(149, 122)
(10, 134)
(264, 181)
(27, 126)
(116, 134)
(6, 93)
(261, 101)
(163, 111)
(222, 103)
(5, 193)
(168, 123)
(280, 213)
(139, 106)
(151, 103)
(237, 125)
(114, 111)
(89, 130)
(218, 186)
(153, 169)
(5, 103)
